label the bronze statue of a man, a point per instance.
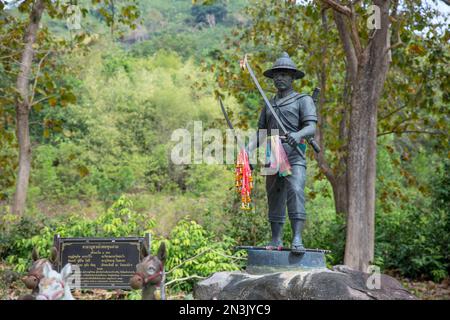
(297, 113)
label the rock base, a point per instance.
(341, 283)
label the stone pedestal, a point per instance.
(269, 261)
(341, 283)
(282, 275)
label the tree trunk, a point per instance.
(373, 64)
(23, 109)
(361, 181)
(340, 194)
(23, 137)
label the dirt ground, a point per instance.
(428, 290)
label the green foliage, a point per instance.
(46, 85)
(12, 230)
(21, 237)
(412, 235)
(193, 251)
(118, 140)
(249, 227)
(204, 13)
(8, 156)
(324, 228)
(415, 243)
(169, 25)
(120, 219)
(205, 179)
(441, 187)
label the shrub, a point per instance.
(414, 243)
(415, 240)
(194, 252)
(26, 234)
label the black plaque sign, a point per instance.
(104, 263)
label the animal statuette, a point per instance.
(36, 272)
(149, 273)
(54, 285)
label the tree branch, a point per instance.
(33, 90)
(8, 57)
(338, 7)
(42, 99)
(201, 253)
(417, 98)
(190, 259)
(411, 131)
(392, 113)
(184, 279)
(349, 49)
(403, 124)
(395, 45)
(380, 39)
(396, 29)
(354, 31)
(228, 256)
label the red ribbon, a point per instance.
(244, 180)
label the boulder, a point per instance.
(341, 283)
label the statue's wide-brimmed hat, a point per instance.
(284, 63)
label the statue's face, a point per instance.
(283, 79)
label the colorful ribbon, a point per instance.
(277, 157)
(244, 180)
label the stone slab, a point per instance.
(269, 261)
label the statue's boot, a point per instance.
(297, 242)
(277, 234)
